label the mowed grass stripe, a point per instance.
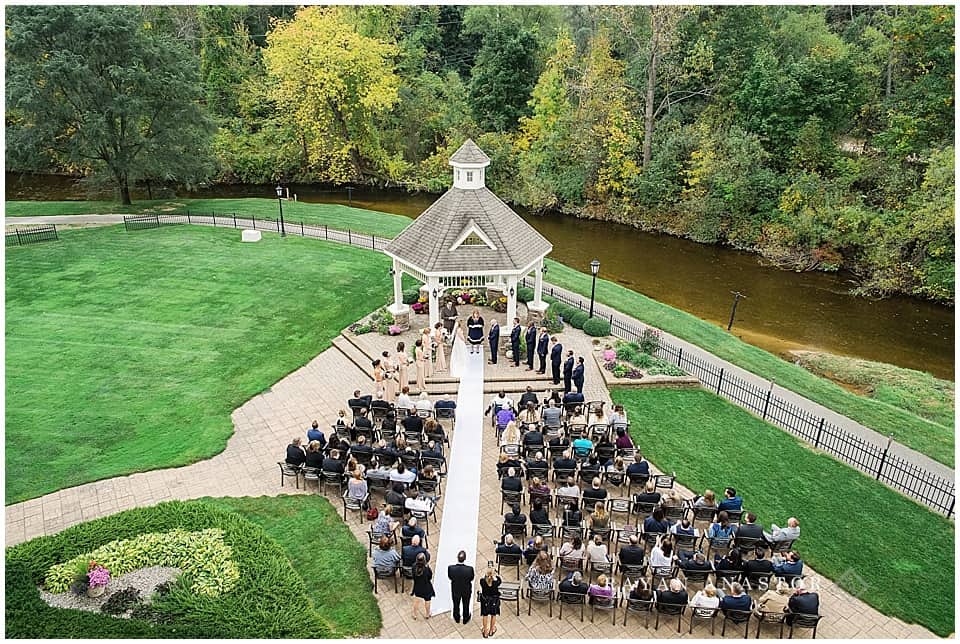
(129, 351)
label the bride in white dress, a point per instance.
(458, 355)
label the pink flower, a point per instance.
(98, 576)
(609, 354)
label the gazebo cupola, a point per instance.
(468, 237)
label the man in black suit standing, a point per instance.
(531, 338)
(568, 372)
(494, 337)
(461, 587)
(515, 341)
(556, 357)
(542, 344)
(578, 375)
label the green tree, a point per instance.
(95, 89)
(329, 83)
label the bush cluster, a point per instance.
(411, 295)
(524, 294)
(596, 327)
(576, 319)
(201, 555)
(268, 601)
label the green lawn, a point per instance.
(929, 397)
(334, 215)
(272, 600)
(933, 439)
(324, 552)
(855, 531)
(129, 351)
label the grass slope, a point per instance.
(128, 351)
(334, 215)
(324, 552)
(930, 438)
(917, 391)
(270, 600)
(853, 527)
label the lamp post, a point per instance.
(283, 230)
(594, 269)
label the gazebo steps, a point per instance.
(353, 354)
(527, 378)
(514, 387)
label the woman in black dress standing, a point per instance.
(422, 586)
(489, 601)
(475, 331)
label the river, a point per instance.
(783, 310)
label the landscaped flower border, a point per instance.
(201, 554)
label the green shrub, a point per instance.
(596, 327)
(268, 601)
(551, 320)
(201, 555)
(577, 318)
(628, 351)
(662, 368)
(650, 340)
(411, 295)
(644, 361)
(525, 294)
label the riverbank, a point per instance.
(933, 439)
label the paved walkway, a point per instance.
(267, 422)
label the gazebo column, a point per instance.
(511, 301)
(537, 307)
(399, 310)
(433, 289)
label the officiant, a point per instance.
(449, 316)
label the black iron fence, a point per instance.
(875, 460)
(32, 235)
(233, 220)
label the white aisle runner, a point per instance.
(461, 491)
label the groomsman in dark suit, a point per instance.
(568, 372)
(531, 338)
(515, 341)
(578, 376)
(542, 344)
(461, 587)
(556, 357)
(494, 337)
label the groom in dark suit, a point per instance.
(494, 337)
(568, 372)
(556, 357)
(461, 587)
(515, 341)
(531, 338)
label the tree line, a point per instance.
(820, 137)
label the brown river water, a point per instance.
(783, 311)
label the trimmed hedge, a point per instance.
(269, 601)
(577, 318)
(525, 294)
(597, 327)
(411, 295)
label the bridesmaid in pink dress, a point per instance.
(422, 361)
(425, 343)
(389, 378)
(403, 361)
(378, 375)
(441, 364)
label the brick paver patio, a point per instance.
(247, 467)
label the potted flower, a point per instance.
(395, 330)
(97, 577)
(418, 307)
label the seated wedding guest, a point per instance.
(582, 447)
(572, 549)
(417, 501)
(790, 533)
(661, 555)
(571, 489)
(409, 553)
(537, 487)
(535, 547)
(540, 574)
(573, 584)
(429, 474)
(362, 421)
(314, 433)
(789, 566)
(774, 600)
(361, 447)
(423, 402)
(432, 450)
(706, 598)
(721, 529)
(649, 494)
(384, 453)
(577, 417)
(749, 528)
(295, 453)
(736, 599)
(529, 414)
(395, 495)
(357, 487)
(511, 482)
(599, 518)
(385, 556)
(412, 426)
(595, 493)
(384, 524)
(707, 500)
(445, 401)
(551, 395)
(623, 439)
(377, 470)
(537, 462)
(499, 401)
(434, 429)
(802, 601)
(528, 397)
(565, 461)
(332, 463)
(597, 551)
(617, 466)
(358, 400)
(600, 590)
(639, 466)
(314, 456)
(404, 401)
(572, 397)
(617, 417)
(671, 499)
(633, 553)
(760, 565)
(403, 475)
(560, 440)
(656, 522)
(676, 595)
(508, 546)
(730, 561)
(641, 591)
(731, 501)
(551, 415)
(515, 515)
(505, 416)
(533, 439)
(694, 562)
(538, 514)
(572, 516)
(590, 468)
(510, 435)
(411, 529)
(683, 527)
(379, 403)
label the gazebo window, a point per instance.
(469, 176)
(458, 175)
(473, 239)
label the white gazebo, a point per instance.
(468, 237)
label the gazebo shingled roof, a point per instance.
(469, 153)
(426, 242)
